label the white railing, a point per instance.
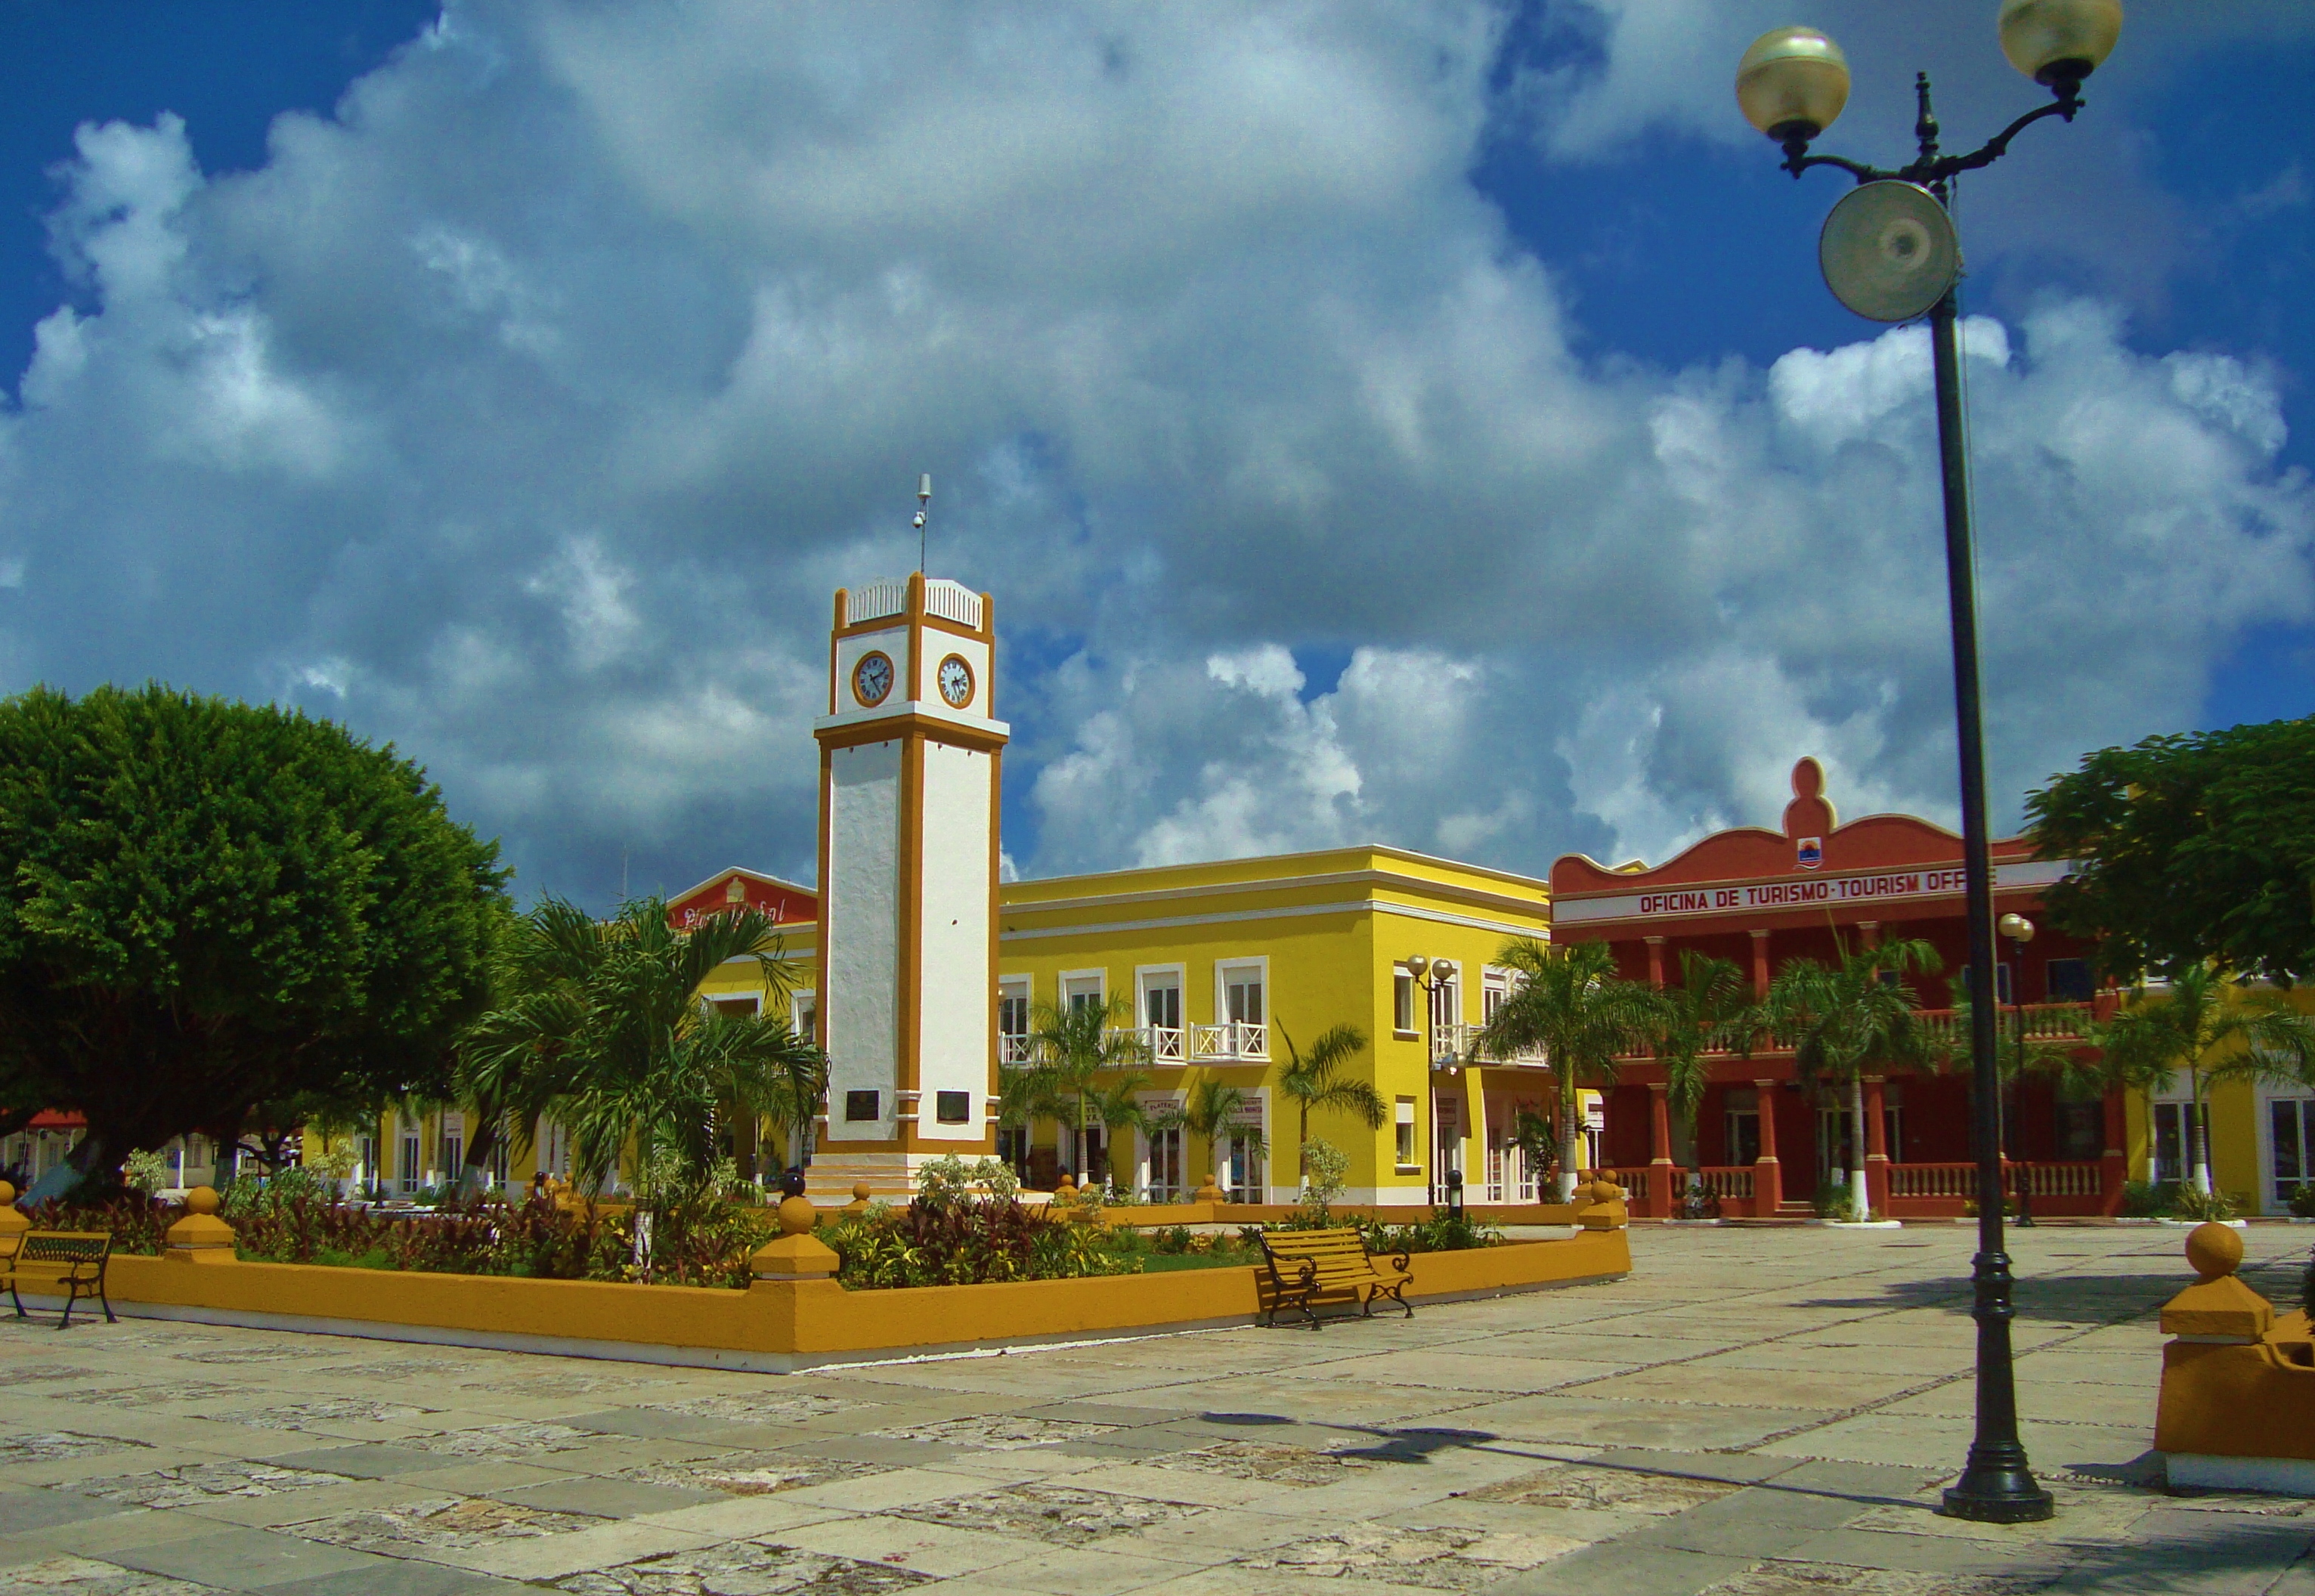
(1458, 1044)
(875, 601)
(1015, 1049)
(1232, 1039)
(1167, 1044)
(952, 601)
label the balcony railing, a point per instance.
(1458, 1044)
(1232, 1040)
(2045, 1022)
(1167, 1044)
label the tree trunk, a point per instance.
(1571, 1137)
(476, 1177)
(2197, 1156)
(1859, 1201)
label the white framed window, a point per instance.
(1241, 990)
(2287, 1138)
(1494, 991)
(803, 1013)
(1401, 1001)
(1082, 989)
(1013, 1020)
(1446, 995)
(1405, 1138)
(1242, 1164)
(1157, 1007)
(744, 1005)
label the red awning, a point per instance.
(57, 1119)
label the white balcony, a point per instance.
(1458, 1044)
(1013, 1052)
(1231, 1040)
(1167, 1044)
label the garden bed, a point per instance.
(776, 1326)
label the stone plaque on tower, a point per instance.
(909, 754)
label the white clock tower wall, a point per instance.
(858, 1007)
(954, 1021)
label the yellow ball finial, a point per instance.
(2214, 1250)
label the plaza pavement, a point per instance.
(1752, 1412)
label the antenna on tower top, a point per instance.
(923, 497)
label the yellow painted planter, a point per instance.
(2238, 1405)
(777, 1324)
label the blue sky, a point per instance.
(1417, 424)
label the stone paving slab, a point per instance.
(1753, 1413)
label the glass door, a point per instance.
(2291, 1126)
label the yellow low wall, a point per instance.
(1151, 1216)
(776, 1326)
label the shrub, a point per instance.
(2302, 1200)
(1175, 1240)
(2147, 1200)
(145, 1172)
(1443, 1233)
(2190, 1204)
(943, 1239)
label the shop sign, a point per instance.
(1754, 897)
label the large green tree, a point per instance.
(208, 907)
(2186, 848)
(1572, 1004)
(602, 1029)
(1848, 1018)
(1315, 1080)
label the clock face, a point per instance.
(871, 679)
(956, 681)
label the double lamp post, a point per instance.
(1890, 253)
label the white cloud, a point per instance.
(527, 411)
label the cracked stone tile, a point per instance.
(996, 1433)
(744, 1568)
(84, 1576)
(143, 1397)
(1061, 1515)
(189, 1483)
(443, 1523)
(54, 1446)
(506, 1441)
(1273, 1462)
(753, 1474)
(1436, 1558)
(296, 1415)
(757, 1410)
(1616, 1490)
(1836, 1579)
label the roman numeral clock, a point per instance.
(910, 761)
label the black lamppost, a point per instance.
(1895, 259)
(1431, 979)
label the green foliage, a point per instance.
(1569, 1002)
(2302, 1200)
(2187, 1203)
(1326, 1171)
(145, 1172)
(2188, 847)
(1318, 1082)
(2147, 1200)
(207, 907)
(950, 1179)
(1213, 1111)
(1538, 1144)
(1712, 1009)
(601, 1030)
(958, 1242)
(1443, 1233)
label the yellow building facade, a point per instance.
(2261, 1134)
(1223, 966)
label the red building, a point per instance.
(1765, 1142)
(727, 889)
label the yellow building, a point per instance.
(2261, 1134)
(1223, 964)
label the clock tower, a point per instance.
(910, 753)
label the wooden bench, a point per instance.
(69, 1263)
(1308, 1264)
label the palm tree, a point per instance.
(1315, 1082)
(1570, 1003)
(1215, 1106)
(1079, 1043)
(601, 1028)
(1712, 1010)
(1849, 1017)
(2207, 1028)
(1116, 1105)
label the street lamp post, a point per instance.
(1432, 980)
(1791, 85)
(2019, 930)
